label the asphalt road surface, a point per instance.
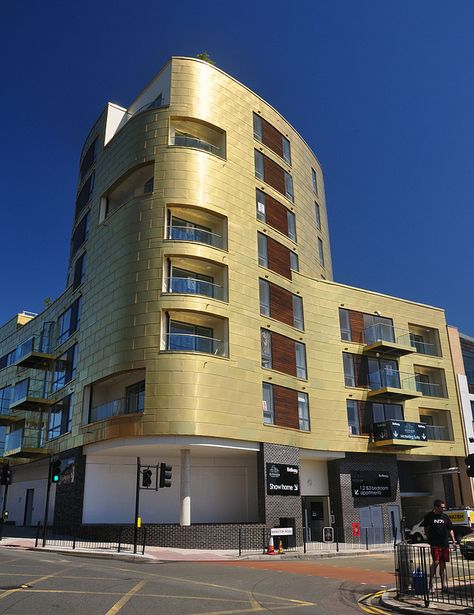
(44, 583)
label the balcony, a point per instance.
(187, 140)
(194, 286)
(187, 342)
(27, 442)
(430, 389)
(198, 235)
(387, 340)
(7, 417)
(391, 384)
(399, 433)
(113, 408)
(35, 353)
(30, 394)
(438, 432)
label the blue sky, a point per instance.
(382, 90)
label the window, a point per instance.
(80, 234)
(291, 225)
(349, 372)
(5, 397)
(285, 407)
(7, 359)
(321, 251)
(266, 341)
(64, 369)
(84, 195)
(260, 204)
(286, 150)
(294, 261)
(79, 271)
(345, 324)
(89, 159)
(268, 415)
(303, 411)
(317, 211)
(315, 181)
(259, 165)
(300, 360)
(264, 289)
(298, 320)
(187, 337)
(69, 321)
(361, 415)
(135, 398)
(257, 127)
(289, 187)
(148, 187)
(262, 250)
(60, 419)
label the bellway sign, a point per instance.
(282, 479)
(371, 484)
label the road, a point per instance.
(45, 583)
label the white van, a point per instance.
(461, 518)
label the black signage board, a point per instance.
(371, 484)
(399, 430)
(283, 479)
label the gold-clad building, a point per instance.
(200, 327)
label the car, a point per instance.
(418, 534)
(466, 546)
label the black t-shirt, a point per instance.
(437, 528)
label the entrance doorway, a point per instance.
(315, 516)
(30, 493)
(371, 524)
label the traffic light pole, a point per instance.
(46, 506)
(4, 507)
(137, 507)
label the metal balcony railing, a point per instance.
(190, 141)
(187, 342)
(194, 286)
(184, 233)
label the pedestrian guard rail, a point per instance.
(412, 571)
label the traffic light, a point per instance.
(55, 471)
(469, 460)
(6, 475)
(165, 475)
(146, 477)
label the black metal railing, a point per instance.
(412, 571)
(119, 538)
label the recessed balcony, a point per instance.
(190, 342)
(392, 384)
(388, 340)
(26, 442)
(35, 353)
(195, 286)
(399, 433)
(7, 417)
(196, 134)
(30, 394)
(192, 232)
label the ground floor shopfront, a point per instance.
(224, 484)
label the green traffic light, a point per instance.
(55, 478)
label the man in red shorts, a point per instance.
(438, 529)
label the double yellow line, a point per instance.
(370, 608)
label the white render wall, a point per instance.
(223, 489)
(314, 477)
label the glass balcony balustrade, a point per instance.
(25, 442)
(115, 407)
(399, 383)
(425, 348)
(437, 432)
(429, 389)
(193, 286)
(187, 342)
(30, 394)
(184, 233)
(34, 352)
(388, 338)
(185, 140)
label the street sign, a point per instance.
(371, 484)
(281, 531)
(283, 479)
(328, 534)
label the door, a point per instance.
(29, 507)
(371, 524)
(315, 516)
(394, 521)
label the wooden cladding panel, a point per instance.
(274, 175)
(357, 326)
(285, 403)
(281, 304)
(272, 138)
(278, 258)
(361, 370)
(283, 354)
(277, 214)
